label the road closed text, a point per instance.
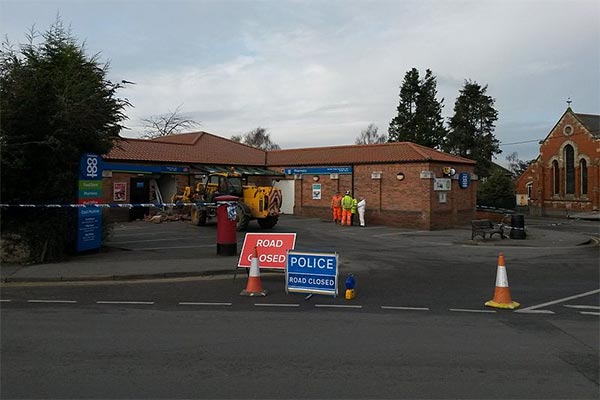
(268, 258)
(312, 281)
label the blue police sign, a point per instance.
(311, 273)
(464, 180)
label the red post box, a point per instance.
(226, 225)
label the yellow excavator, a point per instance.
(262, 203)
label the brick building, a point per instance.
(405, 184)
(565, 177)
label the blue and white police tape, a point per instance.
(101, 205)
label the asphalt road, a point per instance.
(134, 352)
(417, 329)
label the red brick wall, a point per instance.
(543, 201)
(410, 202)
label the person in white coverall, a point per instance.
(362, 204)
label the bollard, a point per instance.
(517, 223)
(226, 226)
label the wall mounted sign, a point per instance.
(440, 184)
(146, 169)
(119, 191)
(464, 180)
(316, 191)
(319, 170)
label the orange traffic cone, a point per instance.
(502, 292)
(254, 287)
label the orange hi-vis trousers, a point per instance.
(346, 216)
(337, 214)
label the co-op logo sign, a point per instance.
(90, 167)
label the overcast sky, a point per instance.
(317, 73)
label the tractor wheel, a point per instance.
(198, 217)
(195, 216)
(268, 222)
(243, 217)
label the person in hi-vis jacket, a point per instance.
(347, 209)
(336, 207)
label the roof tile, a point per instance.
(361, 154)
(196, 147)
(206, 148)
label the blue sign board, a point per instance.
(311, 273)
(318, 170)
(90, 167)
(89, 228)
(464, 180)
(89, 219)
(148, 169)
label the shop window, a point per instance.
(556, 177)
(569, 170)
(584, 176)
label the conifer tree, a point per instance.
(419, 118)
(472, 126)
(56, 104)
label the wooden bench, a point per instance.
(484, 227)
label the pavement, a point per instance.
(112, 263)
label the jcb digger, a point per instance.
(262, 203)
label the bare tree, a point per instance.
(370, 136)
(515, 165)
(167, 124)
(258, 138)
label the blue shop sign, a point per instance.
(90, 167)
(319, 170)
(147, 169)
(89, 228)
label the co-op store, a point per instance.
(405, 184)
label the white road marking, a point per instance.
(589, 313)
(582, 307)
(167, 239)
(335, 306)
(405, 308)
(473, 311)
(5, 301)
(125, 302)
(276, 305)
(52, 301)
(192, 303)
(524, 310)
(173, 247)
(122, 235)
(535, 311)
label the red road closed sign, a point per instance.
(271, 247)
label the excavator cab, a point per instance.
(225, 184)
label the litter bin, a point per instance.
(517, 222)
(226, 225)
